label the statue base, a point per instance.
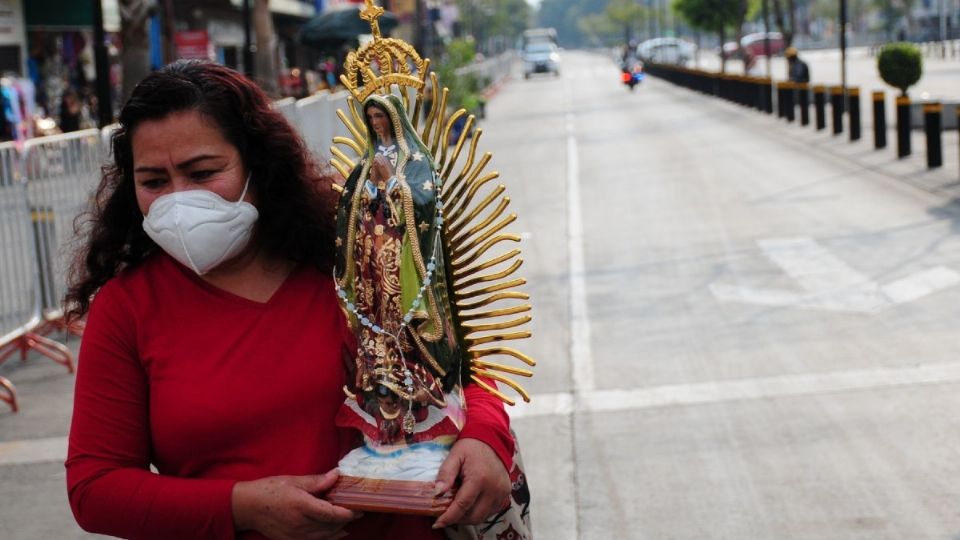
(388, 496)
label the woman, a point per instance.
(212, 349)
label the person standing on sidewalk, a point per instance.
(798, 71)
(213, 349)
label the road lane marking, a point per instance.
(921, 284)
(679, 395)
(581, 356)
(24, 452)
(54, 449)
(831, 284)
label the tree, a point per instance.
(788, 24)
(565, 17)
(710, 16)
(900, 65)
(267, 57)
(598, 29)
(494, 24)
(134, 33)
(627, 14)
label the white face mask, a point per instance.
(200, 228)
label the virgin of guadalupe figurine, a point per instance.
(428, 296)
(405, 393)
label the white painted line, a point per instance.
(580, 354)
(54, 449)
(558, 404)
(815, 269)
(680, 395)
(33, 451)
(829, 283)
(921, 284)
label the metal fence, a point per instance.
(19, 281)
(62, 173)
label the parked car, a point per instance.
(666, 50)
(541, 57)
(752, 44)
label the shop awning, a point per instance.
(69, 14)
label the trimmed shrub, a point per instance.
(900, 65)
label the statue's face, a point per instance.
(380, 123)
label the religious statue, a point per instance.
(423, 280)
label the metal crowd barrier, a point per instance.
(62, 173)
(318, 123)
(288, 108)
(21, 315)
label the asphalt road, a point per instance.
(744, 330)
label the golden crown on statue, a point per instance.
(383, 62)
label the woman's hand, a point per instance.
(289, 507)
(380, 170)
(484, 488)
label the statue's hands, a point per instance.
(484, 483)
(289, 507)
(380, 170)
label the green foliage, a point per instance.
(565, 16)
(624, 12)
(464, 89)
(494, 18)
(709, 15)
(599, 29)
(900, 65)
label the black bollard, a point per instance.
(768, 95)
(903, 126)
(931, 124)
(789, 110)
(803, 95)
(836, 107)
(853, 104)
(820, 104)
(879, 121)
(781, 110)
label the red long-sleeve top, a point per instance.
(213, 389)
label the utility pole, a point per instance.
(843, 45)
(102, 61)
(766, 38)
(248, 46)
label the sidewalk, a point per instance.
(33, 445)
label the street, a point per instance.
(744, 329)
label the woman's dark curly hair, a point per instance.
(296, 217)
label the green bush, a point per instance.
(900, 65)
(465, 91)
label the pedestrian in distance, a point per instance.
(798, 71)
(214, 342)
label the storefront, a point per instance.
(13, 39)
(60, 56)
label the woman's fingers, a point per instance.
(461, 506)
(317, 483)
(484, 483)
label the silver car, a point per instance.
(541, 57)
